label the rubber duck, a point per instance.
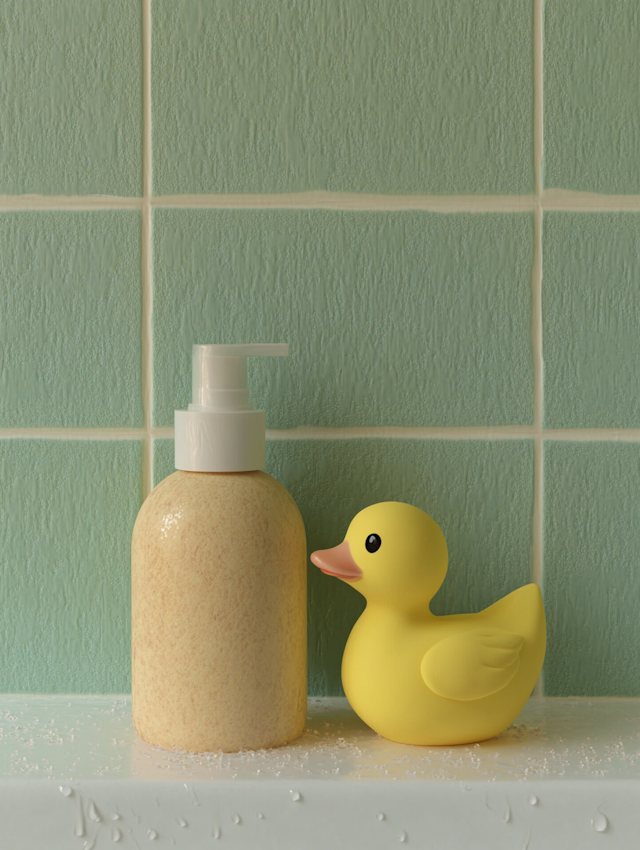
(418, 678)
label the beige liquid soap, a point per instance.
(218, 563)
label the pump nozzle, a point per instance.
(219, 375)
(221, 431)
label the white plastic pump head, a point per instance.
(221, 431)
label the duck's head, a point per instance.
(393, 553)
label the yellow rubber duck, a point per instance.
(412, 676)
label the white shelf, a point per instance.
(73, 774)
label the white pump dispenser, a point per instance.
(221, 431)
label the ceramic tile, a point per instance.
(480, 493)
(279, 96)
(591, 315)
(591, 587)
(70, 348)
(406, 318)
(162, 460)
(66, 511)
(71, 97)
(591, 95)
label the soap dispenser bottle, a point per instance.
(218, 566)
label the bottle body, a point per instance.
(219, 644)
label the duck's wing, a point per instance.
(472, 665)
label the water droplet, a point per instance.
(380, 815)
(116, 835)
(295, 796)
(89, 845)
(115, 816)
(403, 837)
(506, 815)
(599, 822)
(533, 800)
(260, 815)
(65, 790)
(181, 822)
(152, 835)
(93, 812)
(236, 819)
(78, 829)
(216, 832)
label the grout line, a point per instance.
(536, 309)
(147, 364)
(146, 102)
(506, 432)
(515, 432)
(72, 433)
(163, 433)
(592, 435)
(566, 201)
(353, 201)
(539, 433)
(487, 433)
(538, 106)
(147, 260)
(548, 200)
(14, 203)
(536, 306)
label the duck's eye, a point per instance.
(373, 543)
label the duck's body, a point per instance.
(417, 678)
(382, 671)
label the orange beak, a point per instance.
(337, 562)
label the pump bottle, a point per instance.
(218, 568)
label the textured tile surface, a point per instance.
(70, 347)
(393, 318)
(66, 515)
(591, 95)
(591, 546)
(162, 460)
(591, 316)
(286, 95)
(71, 97)
(480, 493)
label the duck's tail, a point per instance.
(522, 612)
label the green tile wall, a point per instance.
(66, 513)
(403, 318)
(462, 302)
(592, 587)
(591, 95)
(591, 317)
(263, 96)
(480, 494)
(70, 348)
(70, 97)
